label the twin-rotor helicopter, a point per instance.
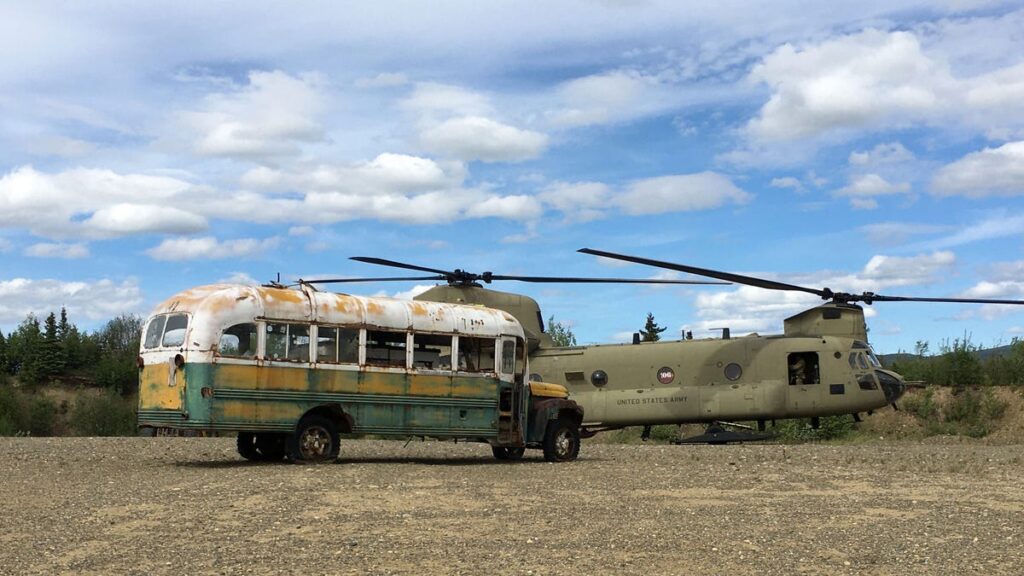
(822, 364)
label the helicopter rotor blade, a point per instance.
(869, 297)
(394, 279)
(728, 277)
(575, 280)
(393, 264)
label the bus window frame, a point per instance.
(360, 343)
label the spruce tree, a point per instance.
(51, 358)
(3, 354)
(651, 332)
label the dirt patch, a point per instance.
(192, 506)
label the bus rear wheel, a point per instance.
(503, 453)
(315, 440)
(263, 447)
(561, 440)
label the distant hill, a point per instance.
(983, 354)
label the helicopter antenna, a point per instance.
(824, 293)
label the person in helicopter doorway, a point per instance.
(797, 371)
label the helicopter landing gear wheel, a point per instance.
(503, 453)
(561, 441)
(315, 440)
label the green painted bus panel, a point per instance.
(250, 397)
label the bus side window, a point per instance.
(277, 341)
(326, 344)
(385, 348)
(298, 343)
(432, 351)
(476, 354)
(238, 341)
(348, 345)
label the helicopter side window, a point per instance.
(803, 368)
(861, 361)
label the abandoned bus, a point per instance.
(291, 369)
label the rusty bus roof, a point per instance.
(217, 306)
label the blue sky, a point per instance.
(874, 146)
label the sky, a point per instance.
(146, 148)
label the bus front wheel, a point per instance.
(315, 440)
(561, 440)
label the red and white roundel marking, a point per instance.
(666, 375)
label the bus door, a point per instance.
(512, 393)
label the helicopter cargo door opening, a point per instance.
(804, 373)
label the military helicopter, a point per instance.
(822, 365)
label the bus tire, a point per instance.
(503, 453)
(315, 440)
(271, 446)
(247, 447)
(561, 440)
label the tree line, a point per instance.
(55, 350)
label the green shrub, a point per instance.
(107, 414)
(13, 412)
(800, 430)
(24, 414)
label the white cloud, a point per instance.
(478, 138)
(787, 182)
(848, 82)
(863, 190)
(429, 98)
(412, 292)
(273, 115)
(209, 248)
(998, 226)
(512, 207)
(58, 250)
(680, 193)
(383, 80)
(579, 201)
(99, 300)
(887, 153)
(892, 233)
(240, 278)
(600, 98)
(124, 219)
(386, 174)
(990, 172)
(91, 203)
(300, 231)
(749, 309)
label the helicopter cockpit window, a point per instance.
(862, 362)
(873, 360)
(803, 368)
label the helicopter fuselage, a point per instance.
(747, 378)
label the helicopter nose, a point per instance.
(892, 385)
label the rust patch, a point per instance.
(374, 308)
(278, 294)
(419, 309)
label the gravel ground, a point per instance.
(192, 506)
